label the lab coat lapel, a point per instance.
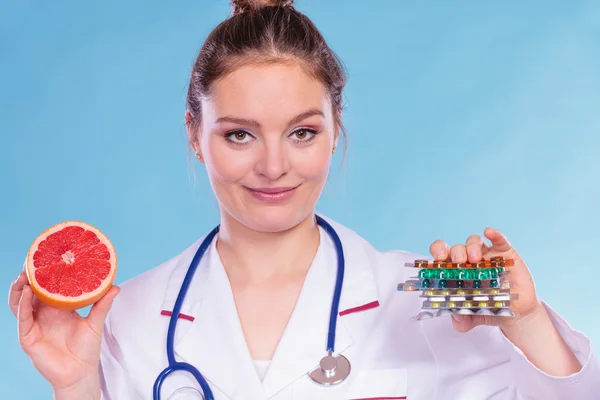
(209, 335)
(214, 342)
(304, 341)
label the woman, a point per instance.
(264, 116)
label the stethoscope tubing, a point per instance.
(173, 364)
(179, 366)
(339, 282)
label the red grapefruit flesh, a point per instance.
(71, 265)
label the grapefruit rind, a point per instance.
(64, 302)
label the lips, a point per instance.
(277, 194)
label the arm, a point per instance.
(541, 343)
(483, 364)
(545, 357)
(89, 390)
(550, 360)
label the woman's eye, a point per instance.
(239, 137)
(303, 134)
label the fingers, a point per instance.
(458, 253)
(15, 291)
(475, 248)
(100, 310)
(499, 241)
(464, 323)
(439, 250)
(25, 313)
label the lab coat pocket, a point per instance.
(378, 384)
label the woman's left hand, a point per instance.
(521, 280)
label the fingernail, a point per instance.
(473, 253)
(458, 258)
(440, 256)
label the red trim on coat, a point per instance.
(182, 316)
(382, 398)
(364, 307)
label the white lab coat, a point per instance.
(392, 356)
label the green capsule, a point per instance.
(494, 283)
(442, 284)
(426, 283)
(477, 284)
(453, 274)
(494, 273)
(484, 274)
(422, 273)
(470, 275)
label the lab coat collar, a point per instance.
(304, 341)
(209, 334)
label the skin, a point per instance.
(258, 240)
(533, 331)
(63, 346)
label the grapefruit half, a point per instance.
(71, 265)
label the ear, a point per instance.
(336, 137)
(193, 136)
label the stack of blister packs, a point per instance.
(481, 288)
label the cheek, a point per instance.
(223, 164)
(313, 167)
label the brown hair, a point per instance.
(266, 31)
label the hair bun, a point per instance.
(242, 6)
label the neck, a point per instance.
(258, 256)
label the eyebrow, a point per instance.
(255, 124)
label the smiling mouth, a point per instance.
(272, 194)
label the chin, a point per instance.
(273, 219)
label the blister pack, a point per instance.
(482, 288)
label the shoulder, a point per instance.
(385, 265)
(142, 298)
(375, 274)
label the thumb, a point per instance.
(499, 241)
(100, 309)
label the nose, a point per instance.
(273, 162)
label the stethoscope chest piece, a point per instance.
(332, 370)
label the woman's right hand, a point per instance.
(63, 346)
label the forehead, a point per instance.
(273, 89)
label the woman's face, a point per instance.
(266, 138)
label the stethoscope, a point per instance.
(332, 370)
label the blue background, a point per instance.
(460, 115)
